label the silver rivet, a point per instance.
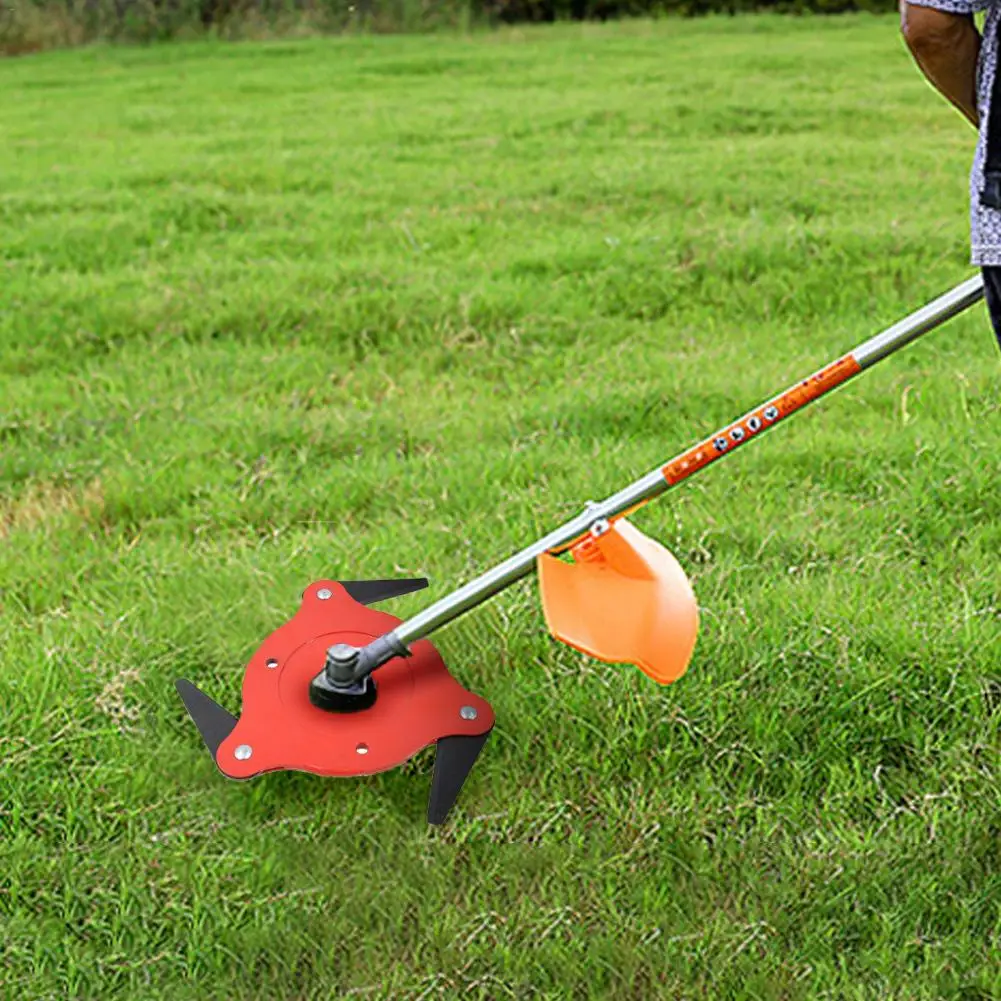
(600, 527)
(362, 749)
(324, 593)
(243, 752)
(272, 663)
(468, 712)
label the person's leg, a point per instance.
(992, 295)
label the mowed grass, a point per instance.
(375, 306)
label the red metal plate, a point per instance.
(417, 703)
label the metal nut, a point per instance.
(343, 653)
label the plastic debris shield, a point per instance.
(624, 599)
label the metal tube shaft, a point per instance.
(681, 467)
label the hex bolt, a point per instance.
(243, 752)
(468, 712)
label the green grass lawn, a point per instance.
(380, 306)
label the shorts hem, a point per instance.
(986, 257)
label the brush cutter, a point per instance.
(346, 689)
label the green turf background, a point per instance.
(364, 307)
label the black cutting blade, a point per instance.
(368, 592)
(213, 722)
(453, 761)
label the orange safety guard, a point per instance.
(624, 600)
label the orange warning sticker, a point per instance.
(760, 419)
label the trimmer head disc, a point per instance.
(416, 701)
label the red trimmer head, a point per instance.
(412, 701)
